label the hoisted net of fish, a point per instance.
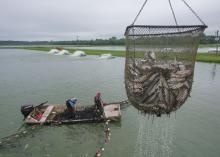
(160, 65)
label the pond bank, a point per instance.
(201, 57)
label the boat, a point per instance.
(58, 114)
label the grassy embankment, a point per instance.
(88, 52)
(201, 57)
(208, 45)
(208, 57)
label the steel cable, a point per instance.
(139, 12)
(194, 12)
(174, 16)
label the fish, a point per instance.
(154, 76)
(184, 73)
(149, 82)
(175, 80)
(176, 86)
(167, 96)
(159, 82)
(186, 84)
(164, 82)
(141, 79)
(145, 97)
(152, 98)
(183, 94)
(161, 96)
(172, 99)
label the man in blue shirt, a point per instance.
(71, 106)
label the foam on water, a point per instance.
(53, 51)
(106, 56)
(78, 54)
(63, 52)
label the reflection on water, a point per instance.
(213, 72)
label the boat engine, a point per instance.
(26, 110)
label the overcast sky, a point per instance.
(91, 19)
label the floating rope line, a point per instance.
(107, 135)
(6, 141)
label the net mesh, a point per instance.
(160, 65)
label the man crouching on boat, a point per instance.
(71, 106)
(99, 104)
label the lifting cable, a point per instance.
(194, 12)
(174, 16)
(139, 12)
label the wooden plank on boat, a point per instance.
(46, 114)
(30, 120)
(112, 112)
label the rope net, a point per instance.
(160, 65)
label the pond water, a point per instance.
(122, 48)
(33, 77)
(110, 47)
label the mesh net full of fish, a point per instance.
(160, 65)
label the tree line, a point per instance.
(110, 41)
(206, 39)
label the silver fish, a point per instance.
(176, 80)
(167, 96)
(161, 96)
(152, 99)
(176, 86)
(183, 94)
